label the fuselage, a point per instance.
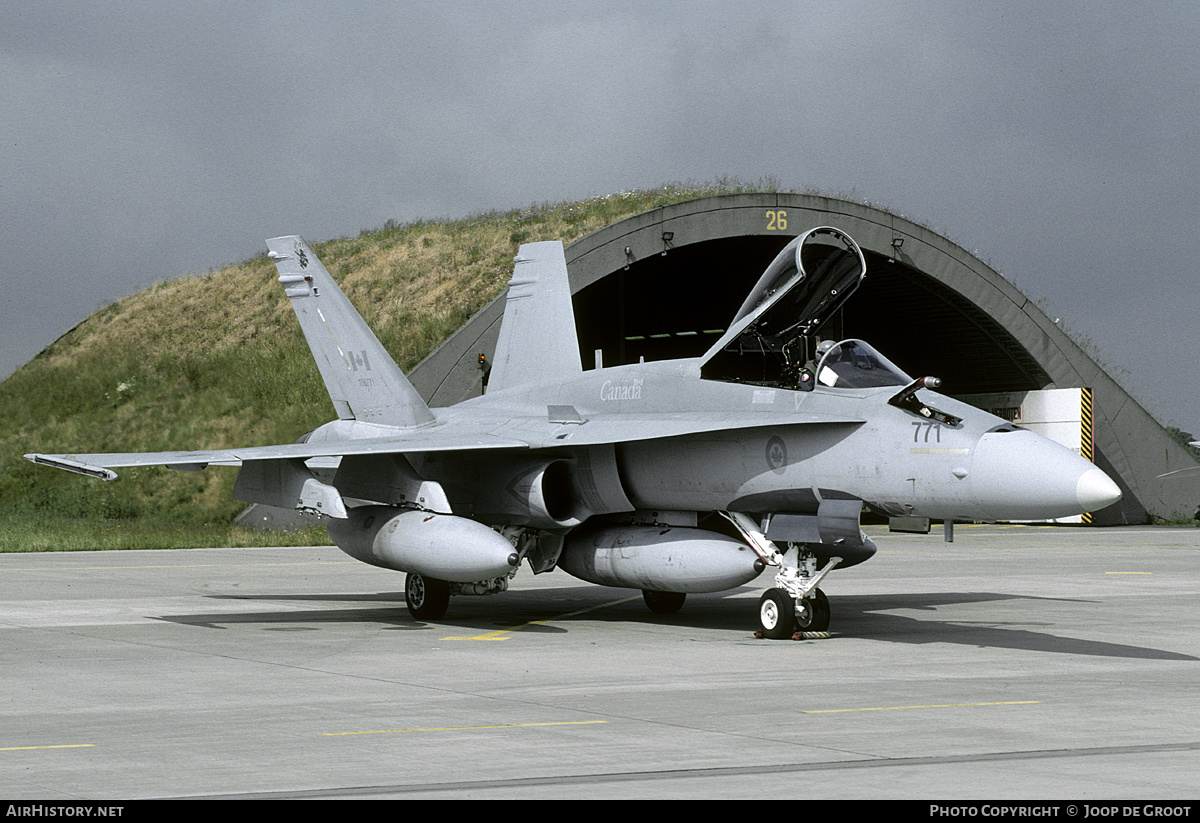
(743, 447)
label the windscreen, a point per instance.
(852, 364)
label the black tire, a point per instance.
(427, 598)
(813, 614)
(663, 602)
(776, 614)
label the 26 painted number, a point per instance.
(777, 220)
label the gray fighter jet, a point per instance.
(670, 477)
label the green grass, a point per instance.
(218, 360)
(51, 533)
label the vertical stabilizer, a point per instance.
(363, 381)
(537, 336)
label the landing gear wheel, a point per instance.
(426, 597)
(776, 614)
(663, 602)
(812, 615)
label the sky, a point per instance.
(144, 141)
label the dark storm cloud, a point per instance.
(145, 141)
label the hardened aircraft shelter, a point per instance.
(664, 284)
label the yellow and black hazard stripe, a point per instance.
(1086, 432)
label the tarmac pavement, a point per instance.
(1018, 662)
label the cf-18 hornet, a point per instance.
(674, 476)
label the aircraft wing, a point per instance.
(100, 465)
(561, 427)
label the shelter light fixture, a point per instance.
(667, 237)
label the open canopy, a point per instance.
(801, 289)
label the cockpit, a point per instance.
(853, 364)
(772, 340)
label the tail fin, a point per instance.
(537, 336)
(363, 381)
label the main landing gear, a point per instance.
(427, 598)
(663, 602)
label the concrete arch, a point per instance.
(927, 303)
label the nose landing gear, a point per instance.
(795, 603)
(781, 617)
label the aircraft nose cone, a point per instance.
(1095, 490)
(1019, 475)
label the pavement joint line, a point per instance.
(929, 706)
(495, 635)
(708, 773)
(469, 728)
